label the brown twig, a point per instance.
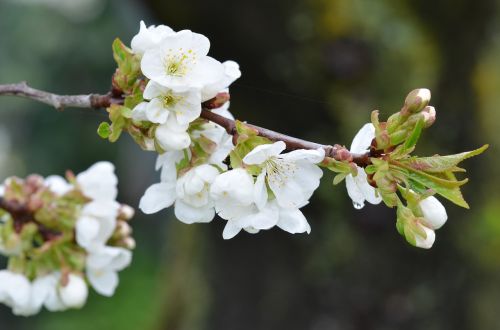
(97, 101)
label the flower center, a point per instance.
(177, 63)
(279, 171)
(170, 100)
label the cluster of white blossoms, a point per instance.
(181, 76)
(70, 233)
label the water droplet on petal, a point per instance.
(357, 206)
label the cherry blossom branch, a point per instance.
(98, 101)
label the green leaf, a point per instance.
(436, 164)
(104, 130)
(449, 189)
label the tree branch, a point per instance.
(98, 101)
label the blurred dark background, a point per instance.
(311, 68)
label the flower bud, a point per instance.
(74, 293)
(417, 100)
(123, 229)
(126, 212)
(428, 241)
(429, 114)
(433, 212)
(129, 243)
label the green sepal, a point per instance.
(120, 120)
(339, 178)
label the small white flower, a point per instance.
(57, 184)
(244, 204)
(74, 293)
(149, 37)
(99, 181)
(358, 188)
(96, 223)
(433, 212)
(293, 176)
(190, 193)
(172, 135)
(193, 203)
(231, 73)
(102, 268)
(181, 62)
(185, 106)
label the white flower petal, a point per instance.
(149, 37)
(157, 197)
(156, 112)
(354, 192)
(172, 135)
(139, 112)
(363, 139)
(104, 283)
(57, 184)
(293, 221)
(190, 214)
(428, 241)
(153, 90)
(312, 156)
(99, 181)
(230, 230)
(74, 294)
(263, 152)
(260, 191)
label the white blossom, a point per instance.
(193, 203)
(103, 265)
(172, 135)
(96, 223)
(149, 37)
(185, 106)
(99, 181)
(181, 62)
(231, 73)
(358, 188)
(244, 204)
(190, 194)
(292, 176)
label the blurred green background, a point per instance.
(311, 68)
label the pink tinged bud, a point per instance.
(433, 212)
(429, 113)
(74, 293)
(417, 100)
